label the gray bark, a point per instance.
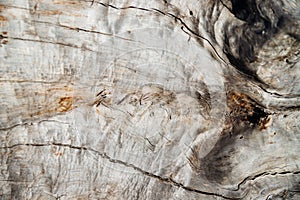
(149, 99)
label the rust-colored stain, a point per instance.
(2, 18)
(244, 109)
(97, 111)
(49, 12)
(57, 153)
(64, 104)
(57, 99)
(238, 99)
(2, 7)
(264, 123)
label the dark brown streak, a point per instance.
(52, 42)
(100, 92)
(161, 12)
(100, 102)
(83, 30)
(199, 36)
(182, 28)
(225, 6)
(252, 178)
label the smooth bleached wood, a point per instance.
(149, 99)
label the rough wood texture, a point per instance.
(149, 99)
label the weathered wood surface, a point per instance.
(149, 99)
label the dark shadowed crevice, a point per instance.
(242, 118)
(242, 42)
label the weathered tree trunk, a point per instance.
(156, 99)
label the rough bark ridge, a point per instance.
(149, 99)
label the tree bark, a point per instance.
(153, 99)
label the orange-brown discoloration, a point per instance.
(239, 99)
(2, 7)
(57, 153)
(2, 18)
(243, 109)
(239, 105)
(264, 123)
(97, 111)
(64, 104)
(49, 12)
(54, 100)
